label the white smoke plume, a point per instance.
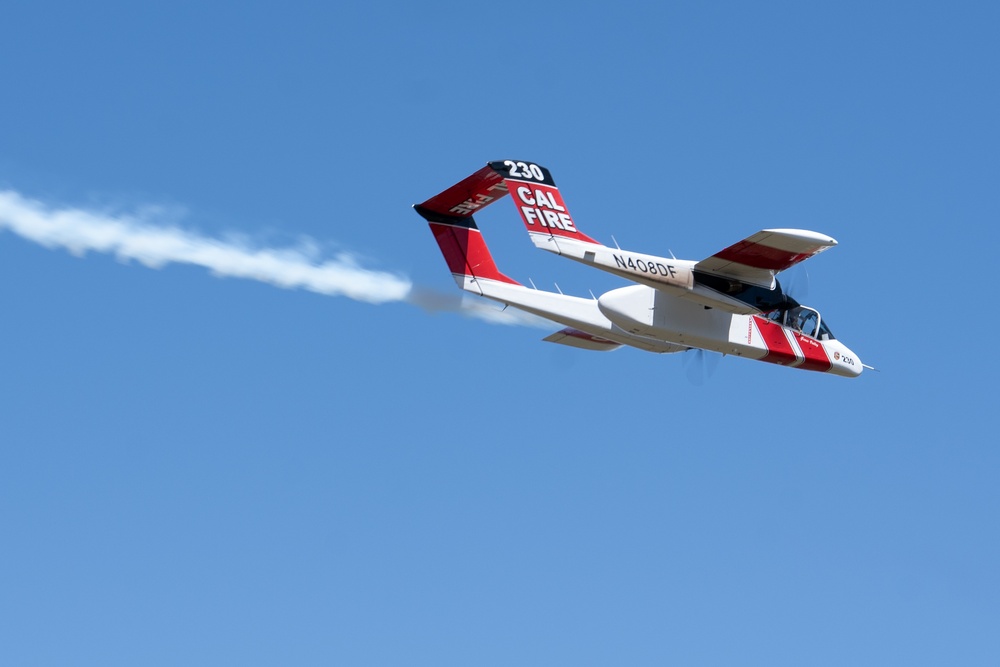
(470, 305)
(135, 237)
(140, 237)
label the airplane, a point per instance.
(730, 303)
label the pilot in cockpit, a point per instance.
(808, 322)
(801, 319)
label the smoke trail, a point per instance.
(477, 307)
(139, 237)
(133, 237)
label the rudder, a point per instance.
(538, 200)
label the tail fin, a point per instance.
(450, 217)
(538, 200)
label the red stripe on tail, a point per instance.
(465, 251)
(543, 209)
(469, 195)
(538, 200)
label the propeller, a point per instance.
(796, 283)
(700, 365)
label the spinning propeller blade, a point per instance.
(700, 365)
(796, 283)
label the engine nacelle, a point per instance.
(631, 308)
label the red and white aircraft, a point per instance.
(730, 302)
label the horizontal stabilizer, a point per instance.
(465, 197)
(576, 338)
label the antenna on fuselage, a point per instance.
(615, 241)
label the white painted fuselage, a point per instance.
(650, 319)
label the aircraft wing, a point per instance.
(758, 258)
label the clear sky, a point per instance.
(228, 438)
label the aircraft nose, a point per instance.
(846, 363)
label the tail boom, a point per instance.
(450, 217)
(571, 311)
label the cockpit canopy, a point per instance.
(776, 305)
(808, 321)
(802, 319)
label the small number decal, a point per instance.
(524, 170)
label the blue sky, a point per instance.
(203, 469)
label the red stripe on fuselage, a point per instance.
(779, 350)
(814, 352)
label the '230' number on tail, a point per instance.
(524, 170)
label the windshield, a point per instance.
(808, 321)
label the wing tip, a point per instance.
(804, 235)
